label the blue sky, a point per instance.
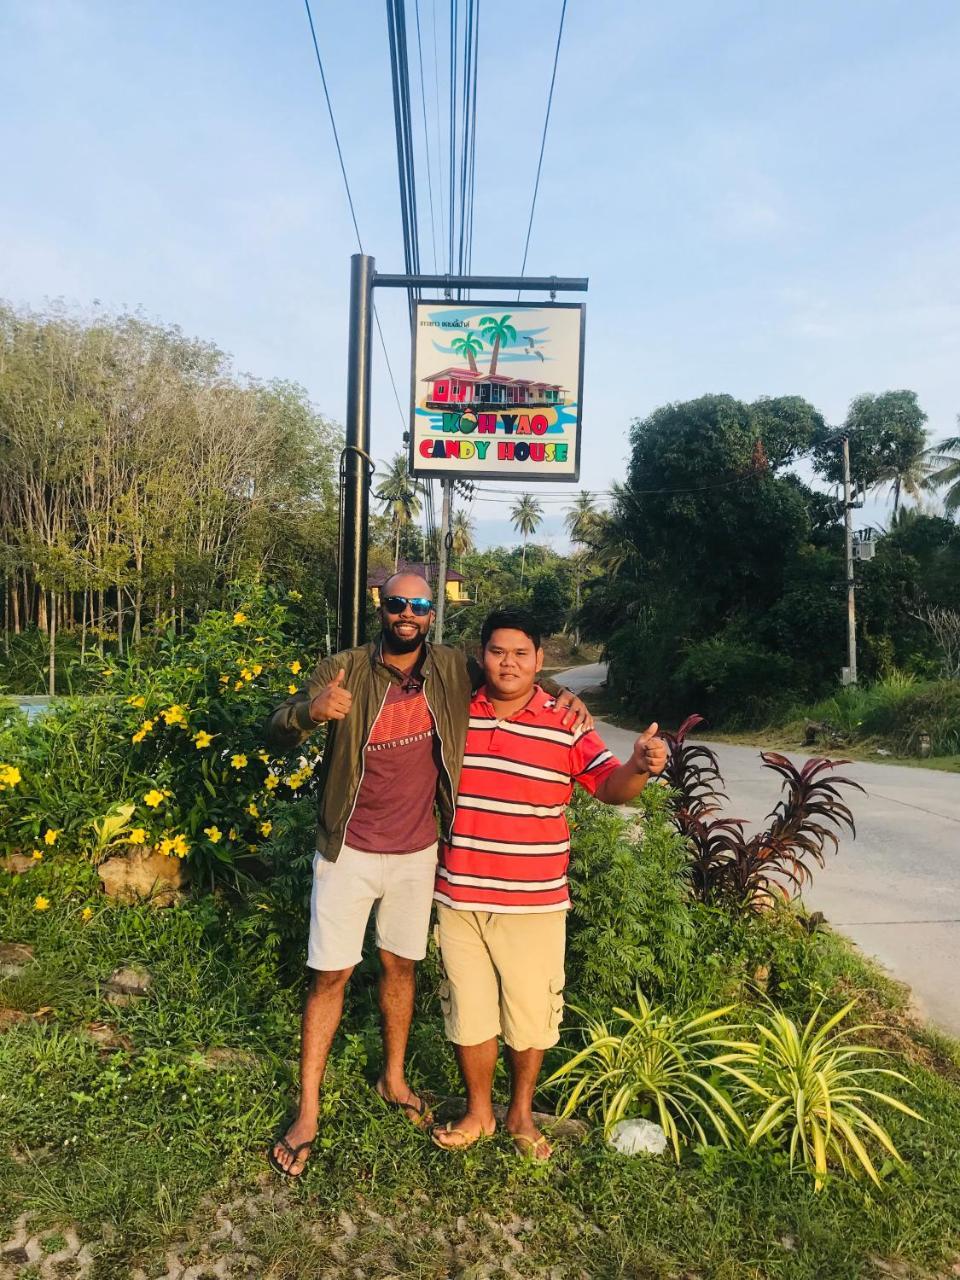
(766, 198)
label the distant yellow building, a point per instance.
(455, 587)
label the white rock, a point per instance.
(637, 1137)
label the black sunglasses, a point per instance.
(418, 605)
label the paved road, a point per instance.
(895, 890)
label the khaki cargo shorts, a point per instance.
(503, 976)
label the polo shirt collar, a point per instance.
(538, 702)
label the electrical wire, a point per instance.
(543, 141)
(426, 140)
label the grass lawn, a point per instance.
(136, 1131)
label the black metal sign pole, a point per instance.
(357, 465)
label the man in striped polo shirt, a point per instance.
(501, 886)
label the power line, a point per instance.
(543, 140)
(426, 141)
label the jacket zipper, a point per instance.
(363, 766)
(443, 761)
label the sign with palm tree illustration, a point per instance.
(497, 390)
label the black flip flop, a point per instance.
(422, 1109)
(293, 1152)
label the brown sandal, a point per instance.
(538, 1149)
(423, 1115)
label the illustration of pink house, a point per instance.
(452, 387)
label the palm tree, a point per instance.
(580, 519)
(399, 495)
(945, 457)
(468, 346)
(527, 517)
(497, 332)
(908, 474)
(461, 530)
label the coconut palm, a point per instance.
(580, 519)
(944, 460)
(399, 495)
(908, 474)
(461, 530)
(527, 516)
(468, 346)
(497, 333)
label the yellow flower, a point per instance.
(266, 828)
(294, 595)
(239, 618)
(252, 809)
(9, 776)
(202, 739)
(86, 913)
(181, 846)
(213, 834)
(239, 761)
(37, 855)
(153, 798)
(50, 837)
(293, 781)
(166, 846)
(271, 782)
(108, 672)
(139, 735)
(246, 674)
(257, 668)
(40, 903)
(262, 755)
(238, 686)
(137, 836)
(174, 715)
(147, 726)
(291, 688)
(296, 668)
(137, 700)
(224, 679)
(232, 833)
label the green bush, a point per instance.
(631, 919)
(895, 710)
(172, 754)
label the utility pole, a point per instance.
(443, 553)
(848, 505)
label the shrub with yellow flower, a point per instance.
(252, 809)
(257, 668)
(266, 828)
(202, 739)
(174, 715)
(295, 667)
(291, 687)
(50, 836)
(137, 700)
(10, 776)
(271, 782)
(153, 798)
(213, 834)
(238, 760)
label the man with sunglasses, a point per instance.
(397, 713)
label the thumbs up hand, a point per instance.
(334, 700)
(650, 752)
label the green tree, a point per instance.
(888, 444)
(469, 346)
(399, 495)
(527, 516)
(497, 333)
(944, 473)
(461, 530)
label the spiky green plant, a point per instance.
(817, 1084)
(656, 1064)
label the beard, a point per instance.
(394, 643)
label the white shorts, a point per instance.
(399, 885)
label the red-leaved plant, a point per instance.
(775, 863)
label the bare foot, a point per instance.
(463, 1134)
(413, 1107)
(299, 1133)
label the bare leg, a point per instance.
(321, 1016)
(397, 993)
(477, 1064)
(525, 1067)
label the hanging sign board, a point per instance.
(497, 390)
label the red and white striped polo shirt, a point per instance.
(510, 846)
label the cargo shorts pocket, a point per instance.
(556, 1002)
(446, 999)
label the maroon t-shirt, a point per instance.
(394, 807)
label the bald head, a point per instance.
(404, 632)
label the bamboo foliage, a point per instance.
(139, 474)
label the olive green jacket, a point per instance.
(449, 679)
